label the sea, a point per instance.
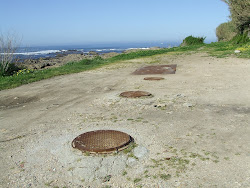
(37, 52)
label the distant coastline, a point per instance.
(48, 57)
(54, 51)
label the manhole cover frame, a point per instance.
(156, 69)
(135, 94)
(77, 143)
(153, 78)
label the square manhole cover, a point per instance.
(156, 69)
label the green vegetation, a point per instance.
(226, 31)
(240, 14)
(190, 40)
(219, 49)
(241, 39)
(29, 76)
(136, 180)
(239, 24)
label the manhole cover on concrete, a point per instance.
(156, 69)
(102, 141)
(153, 78)
(135, 94)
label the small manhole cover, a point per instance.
(153, 78)
(135, 94)
(156, 69)
(102, 141)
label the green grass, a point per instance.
(225, 49)
(218, 49)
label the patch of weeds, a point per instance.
(124, 173)
(82, 180)
(71, 168)
(226, 158)
(48, 184)
(139, 119)
(237, 153)
(132, 155)
(86, 153)
(128, 178)
(165, 176)
(146, 171)
(179, 163)
(154, 176)
(130, 148)
(130, 119)
(216, 161)
(206, 152)
(107, 178)
(78, 160)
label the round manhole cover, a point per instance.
(135, 94)
(102, 141)
(153, 78)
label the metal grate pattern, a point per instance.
(135, 94)
(153, 78)
(102, 141)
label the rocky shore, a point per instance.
(62, 59)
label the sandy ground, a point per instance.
(195, 128)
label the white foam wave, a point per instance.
(138, 48)
(43, 52)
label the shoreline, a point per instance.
(70, 56)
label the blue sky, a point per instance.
(69, 22)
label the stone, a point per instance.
(237, 51)
(189, 105)
(140, 152)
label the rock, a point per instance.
(107, 89)
(140, 152)
(160, 105)
(92, 53)
(108, 55)
(189, 105)
(237, 51)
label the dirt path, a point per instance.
(195, 128)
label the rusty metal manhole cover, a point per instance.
(135, 94)
(156, 69)
(153, 78)
(102, 141)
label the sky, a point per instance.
(76, 22)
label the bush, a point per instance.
(225, 31)
(8, 47)
(241, 39)
(190, 40)
(12, 69)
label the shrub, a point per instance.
(241, 39)
(8, 46)
(225, 31)
(190, 40)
